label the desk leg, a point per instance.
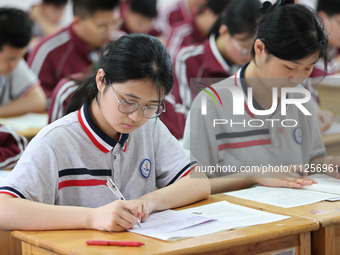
(305, 244)
(26, 248)
(323, 241)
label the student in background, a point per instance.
(115, 119)
(20, 91)
(12, 146)
(289, 41)
(63, 92)
(329, 11)
(219, 56)
(46, 17)
(177, 12)
(76, 47)
(194, 30)
(138, 16)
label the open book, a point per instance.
(328, 188)
(218, 217)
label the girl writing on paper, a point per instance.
(112, 131)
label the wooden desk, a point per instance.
(326, 240)
(292, 233)
(28, 133)
(330, 97)
(27, 125)
(332, 144)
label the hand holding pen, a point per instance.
(118, 194)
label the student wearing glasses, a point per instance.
(76, 47)
(269, 149)
(219, 56)
(112, 131)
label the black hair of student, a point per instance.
(292, 32)
(15, 28)
(131, 57)
(87, 8)
(216, 6)
(330, 7)
(55, 2)
(240, 16)
(147, 8)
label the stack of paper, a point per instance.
(216, 217)
(328, 188)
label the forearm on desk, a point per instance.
(33, 101)
(185, 191)
(22, 214)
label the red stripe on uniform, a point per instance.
(77, 183)
(8, 193)
(243, 144)
(89, 134)
(188, 171)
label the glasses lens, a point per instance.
(128, 106)
(152, 111)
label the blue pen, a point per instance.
(118, 194)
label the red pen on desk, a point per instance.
(114, 243)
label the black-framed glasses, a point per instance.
(129, 106)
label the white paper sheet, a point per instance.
(227, 215)
(168, 221)
(334, 129)
(283, 197)
(326, 184)
(26, 121)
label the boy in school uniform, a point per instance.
(75, 47)
(20, 90)
(194, 30)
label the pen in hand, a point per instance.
(118, 194)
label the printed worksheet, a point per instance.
(227, 216)
(283, 197)
(326, 184)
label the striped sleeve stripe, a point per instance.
(83, 171)
(181, 71)
(242, 134)
(46, 48)
(11, 191)
(65, 92)
(81, 183)
(176, 40)
(243, 144)
(184, 172)
(21, 143)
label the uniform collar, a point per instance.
(217, 55)
(240, 82)
(101, 140)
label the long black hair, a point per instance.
(291, 32)
(240, 16)
(131, 57)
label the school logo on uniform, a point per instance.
(145, 168)
(298, 135)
